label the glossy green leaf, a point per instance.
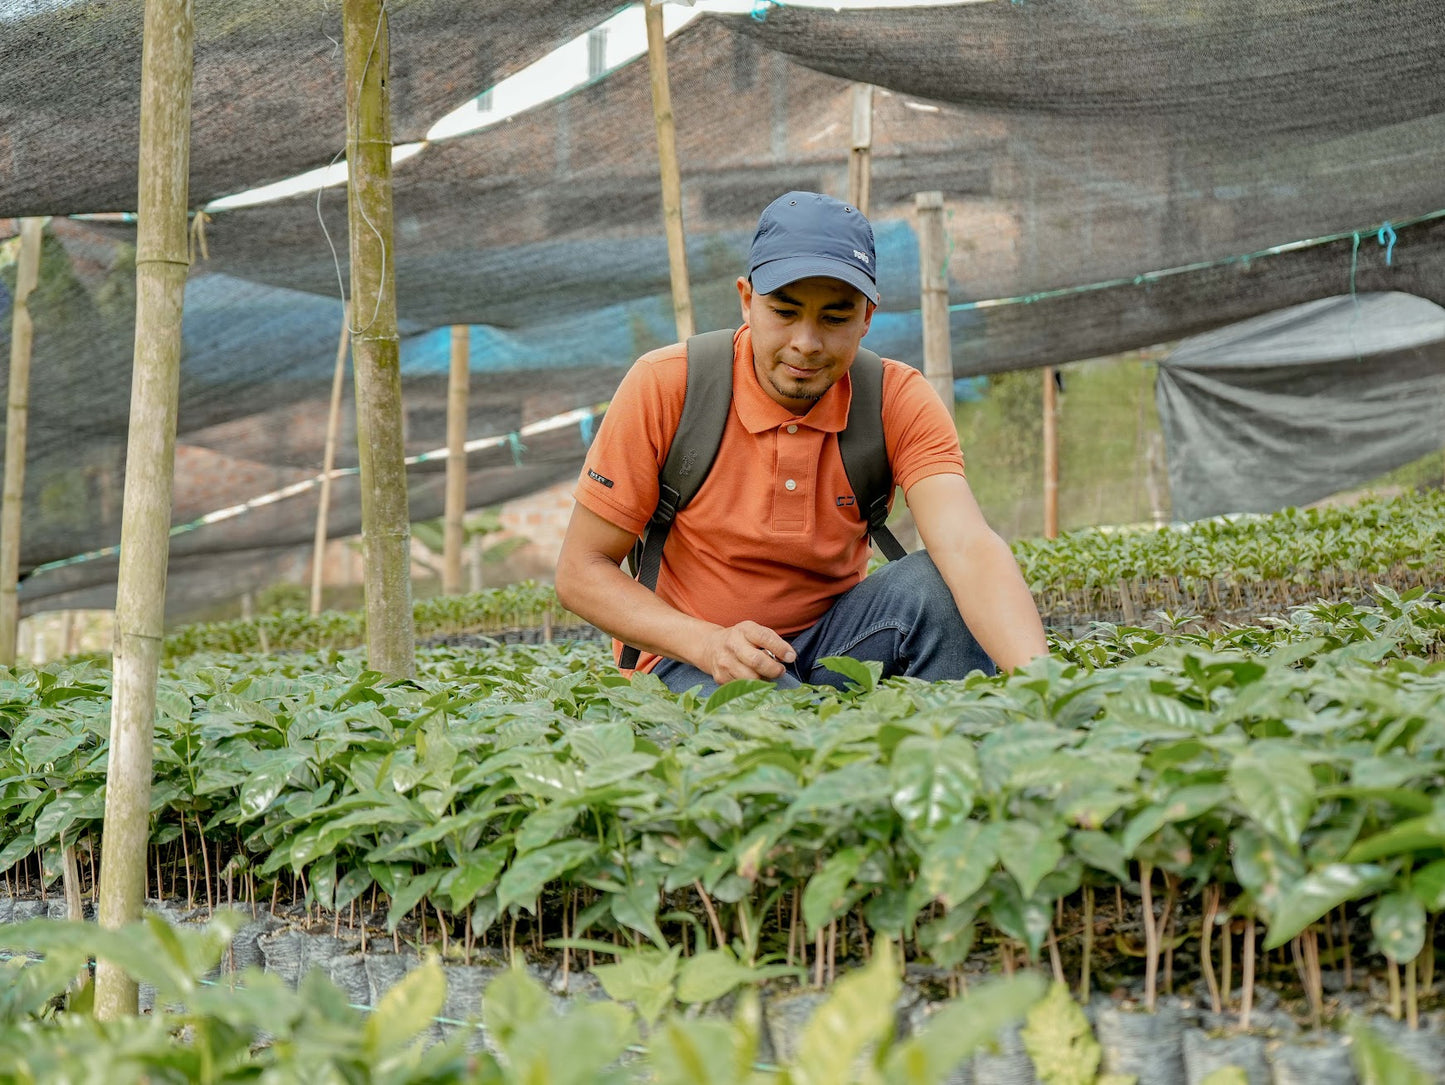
(1299, 903)
(864, 675)
(957, 864)
(934, 781)
(827, 892)
(1275, 788)
(526, 876)
(858, 1012)
(1398, 923)
(1028, 853)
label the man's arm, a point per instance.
(979, 569)
(591, 584)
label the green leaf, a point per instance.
(1398, 923)
(644, 978)
(849, 789)
(827, 893)
(409, 894)
(731, 691)
(527, 875)
(1227, 1075)
(1100, 851)
(961, 1028)
(1300, 903)
(1403, 838)
(857, 1014)
(512, 1003)
(266, 781)
(1379, 1064)
(934, 781)
(864, 674)
(958, 863)
(1027, 853)
(544, 825)
(1060, 1042)
(461, 884)
(1274, 786)
(1428, 885)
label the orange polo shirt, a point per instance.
(774, 535)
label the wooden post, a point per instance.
(454, 532)
(1051, 454)
(328, 461)
(671, 174)
(860, 159)
(17, 417)
(161, 263)
(375, 345)
(933, 288)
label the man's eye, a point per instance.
(835, 320)
(785, 312)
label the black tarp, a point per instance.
(1293, 406)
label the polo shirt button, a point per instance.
(790, 485)
(792, 429)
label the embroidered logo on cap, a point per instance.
(863, 256)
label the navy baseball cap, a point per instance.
(805, 234)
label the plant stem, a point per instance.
(1087, 954)
(717, 929)
(1206, 956)
(206, 866)
(1226, 979)
(1345, 943)
(1054, 959)
(1392, 972)
(1151, 937)
(1246, 999)
(1412, 998)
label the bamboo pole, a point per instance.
(17, 418)
(860, 158)
(375, 346)
(671, 174)
(328, 461)
(161, 263)
(933, 285)
(1051, 453)
(454, 532)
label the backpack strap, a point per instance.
(865, 454)
(694, 446)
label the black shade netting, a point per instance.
(269, 87)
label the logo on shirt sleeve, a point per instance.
(595, 477)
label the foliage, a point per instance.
(521, 605)
(259, 1029)
(1297, 767)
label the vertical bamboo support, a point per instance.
(17, 417)
(1051, 453)
(375, 346)
(671, 174)
(933, 285)
(454, 533)
(161, 263)
(860, 158)
(328, 461)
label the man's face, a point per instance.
(805, 336)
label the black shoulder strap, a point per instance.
(694, 448)
(865, 454)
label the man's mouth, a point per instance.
(797, 372)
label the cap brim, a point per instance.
(779, 273)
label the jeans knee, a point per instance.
(915, 578)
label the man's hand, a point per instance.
(746, 650)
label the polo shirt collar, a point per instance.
(759, 412)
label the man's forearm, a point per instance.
(994, 600)
(601, 593)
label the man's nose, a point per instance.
(806, 337)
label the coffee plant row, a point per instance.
(1226, 568)
(1281, 782)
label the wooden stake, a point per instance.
(375, 345)
(671, 174)
(454, 532)
(1051, 453)
(860, 158)
(162, 260)
(17, 417)
(933, 283)
(328, 461)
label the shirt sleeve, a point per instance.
(920, 434)
(619, 478)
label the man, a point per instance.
(763, 573)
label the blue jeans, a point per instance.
(902, 615)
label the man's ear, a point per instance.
(745, 296)
(868, 311)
